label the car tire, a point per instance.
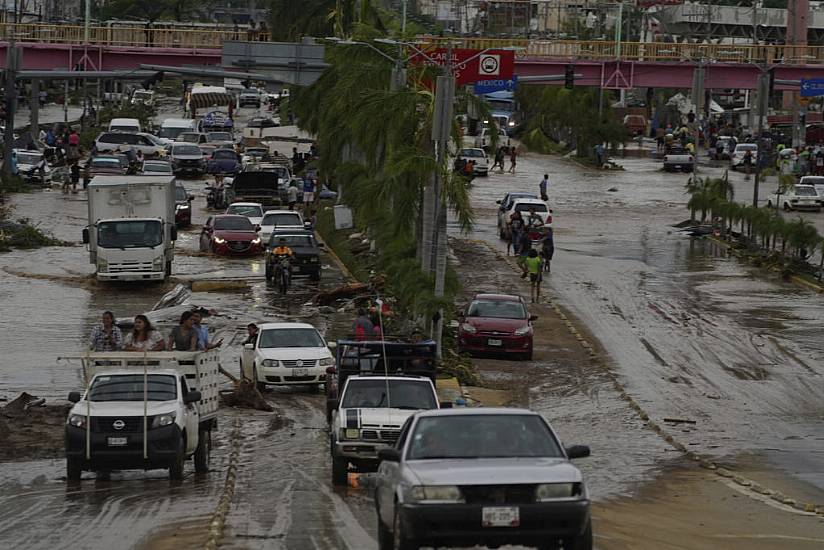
(340, 469)
(203, 451)
(399, 541)
(259, 385)
(528, 356)
(73, 469)
(176, 467)
(385, 540)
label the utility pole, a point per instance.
(12, 66)
(763, 98)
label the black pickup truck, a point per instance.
(259, 187)
(306, 250)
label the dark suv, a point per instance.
(305, 248)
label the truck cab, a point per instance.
(369, 416)
(143, 412)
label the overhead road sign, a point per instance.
(468, 66)
(499, 85)
(812, 87)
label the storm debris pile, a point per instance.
(31, 429)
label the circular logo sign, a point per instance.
(118, 424)
(490, 64)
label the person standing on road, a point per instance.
(513, 158)
(106, 336)
(363, 327)
(542, 187)
(516, 227)
(184, 336)
(547, 249)
(534, 268)
(202, 332)
(499, 159)
(292, 196)
(75, 175)
(524, 247)
(308, 192)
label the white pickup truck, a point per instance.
(369, 415)
(678, 158)
(143, 411)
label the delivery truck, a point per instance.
(143, 410)
(131, 231)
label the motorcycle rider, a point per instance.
(283, 256)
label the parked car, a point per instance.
(102, 166)
(223, 161)
(220, 139)
(227, 235)
(128, 125)
(183, 206)
(504, 206)
(636, 125)
(147, 144)
(481, 476)
(737, 158)
(260, 127)
(249, 98)
(797, 197)
(143, 97)
(251, 210)
(305, 248)
(726, 150)
(678, 158)
(286, 354)
(156, 167)
(254, 155)
(187, 159)
(196, 138)
(484, 141)
(478, 156)
(498, 323)
(368, 418)
(280, 219)
(32, 166)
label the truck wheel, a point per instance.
(340, 470)
(204, 449)
(582, 541)
(259, 385)
(176, 467)
(786, 207)
(73, 469)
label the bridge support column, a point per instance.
(34, 120)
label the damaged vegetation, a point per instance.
(23, 234)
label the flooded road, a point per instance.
(692, 333)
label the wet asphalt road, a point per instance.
(693, 334)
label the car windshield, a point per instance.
(160, 167)
(170, 132)
(497, 309)
(129, 387)
(501, 104)
(220, 136)
(482, 436)
(121, 128)
(281, 219)
(525, 207)
(251, 210)
(186, 150)
(292, 241)
(279, 170)
(29, 158)
(813, 180)
(224, 154)
(256, 152)
(106, 163)
(143, 95)
(472, 153)
(234, 224)
(129, 234)
(180, 194)
(290, 338)
(805, 191)
(189, 138)
(402, 394)
(746, 147)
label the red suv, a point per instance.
(227, 234)
(497, 323)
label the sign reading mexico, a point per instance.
(470, 66)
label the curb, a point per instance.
(218, 521)
(335, 259)
(709, 465)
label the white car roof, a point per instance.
(526, 200)
(396, 377)
(117, 372)
(245, 204)
(275, 326)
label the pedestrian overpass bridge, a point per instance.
(600, 63)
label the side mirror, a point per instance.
(446, 404)
(192, 397)
(174, 233)
(533, 318)
(331, 370)
(577, 451)
(389, 455)
(248, 346)
(74, 397)
(85, 235)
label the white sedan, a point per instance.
(286, 354)
(280, 219)
(797, 197)
(252, 210)
(478, 156)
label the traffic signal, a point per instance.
(569, 76)
(152, 80)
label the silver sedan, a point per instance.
(461, 477)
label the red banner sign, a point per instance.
(470, 66)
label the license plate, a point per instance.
(300, 372)
(492, 342)
(117, 441)
(501, 516)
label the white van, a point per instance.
(173, 127)
(125, 125)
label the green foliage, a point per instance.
(22, 234)
(289, 20)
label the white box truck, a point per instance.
(143, 411)
(131, 231)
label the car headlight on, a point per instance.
(219, 240)
(313, 259)
(435, 494)
(326, 362)
(77, 420)
(270, 363)
(553, 491)
(511, 123)
(183, 206)
(466, 327)
(523, 331)
(350, 433)
(163, 419)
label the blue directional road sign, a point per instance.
(489, 86)
(812, 87)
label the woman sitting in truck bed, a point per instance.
(144, 337)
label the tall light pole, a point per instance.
(86, 22)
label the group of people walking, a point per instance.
(189, 335)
